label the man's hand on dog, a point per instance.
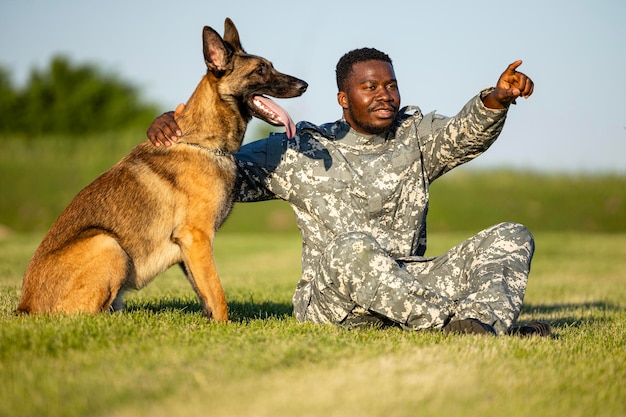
(164, 130)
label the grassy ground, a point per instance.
(160, 358)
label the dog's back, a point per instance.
(158, 206)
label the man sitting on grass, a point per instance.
(359, 189)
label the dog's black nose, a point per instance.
(303, 86)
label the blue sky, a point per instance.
(444, 53)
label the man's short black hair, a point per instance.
(344, 66)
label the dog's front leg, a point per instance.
(199, 263)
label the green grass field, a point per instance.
(161, 358)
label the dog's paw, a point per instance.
(118, 304)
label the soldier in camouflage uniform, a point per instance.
(359, 188)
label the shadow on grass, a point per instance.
(565, 315)
(251, 310)
(573, 314)
(239, 311)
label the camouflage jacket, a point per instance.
(339, 181)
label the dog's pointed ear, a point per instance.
(231, 35)
(217, 54)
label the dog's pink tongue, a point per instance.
(285, 119)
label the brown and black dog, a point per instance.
(161, 205)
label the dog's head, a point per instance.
(247, 78)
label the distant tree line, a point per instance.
(70, 99)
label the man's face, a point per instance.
(371, 102)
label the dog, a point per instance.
(160, 206)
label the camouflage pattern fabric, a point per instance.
(483, 278)
(361, 204)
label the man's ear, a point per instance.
(342, 99)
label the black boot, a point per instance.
(535, 328)
(468, 326)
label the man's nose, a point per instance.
(384, 94)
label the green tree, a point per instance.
(7, 100)
(71, 99)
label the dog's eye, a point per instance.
(261, 69)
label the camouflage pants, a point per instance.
(484, 278)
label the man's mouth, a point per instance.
(385, 111)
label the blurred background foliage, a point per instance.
(71, 99)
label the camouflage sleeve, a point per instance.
(451, 141)
(257, 163)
